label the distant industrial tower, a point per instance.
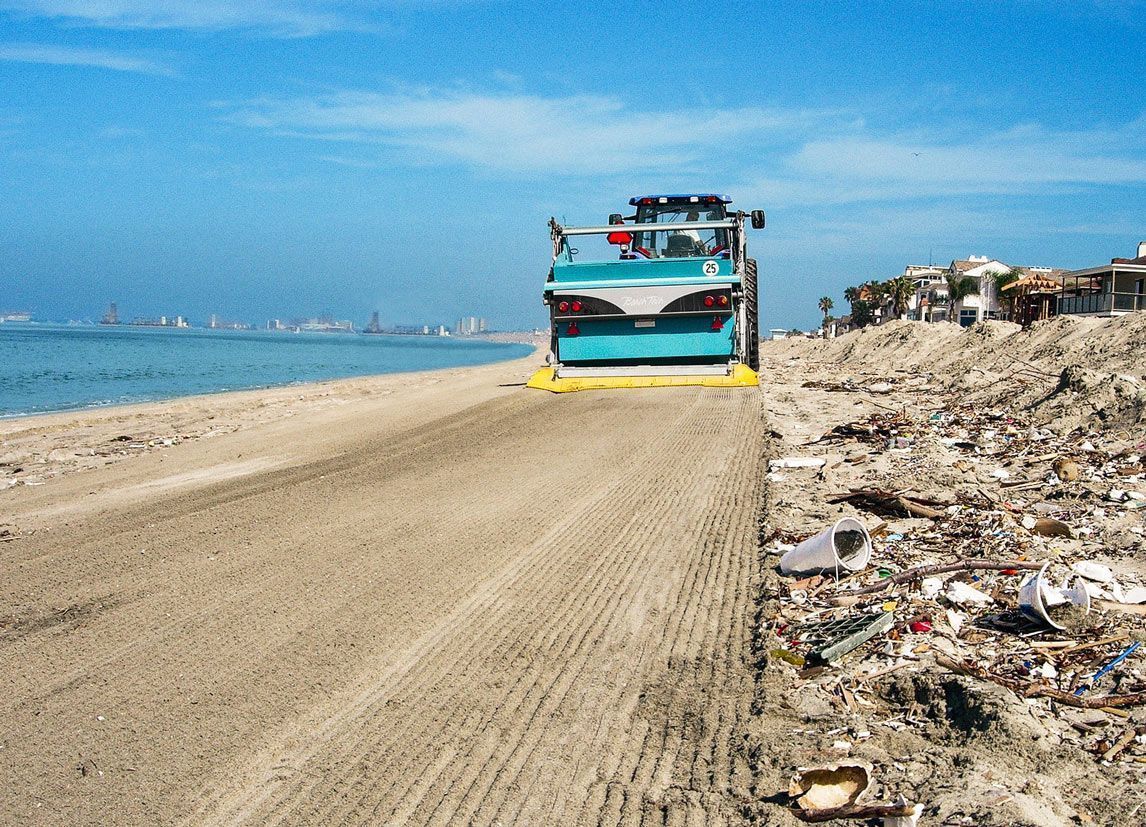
(111, 316)
(375, 326)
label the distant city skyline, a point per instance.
(111, 316)
(248, 159)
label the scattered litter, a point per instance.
(959, 593)
(830, 640)
(1093, 571)
(1010, 553)
(796, 462)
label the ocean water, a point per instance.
(56, 368)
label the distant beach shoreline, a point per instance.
(51, 370)
(37, 447)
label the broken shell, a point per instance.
(1050, 527)
(834, 785)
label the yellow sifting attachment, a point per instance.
(741, 376)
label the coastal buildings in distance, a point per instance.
(323, 323)
(469, 325)
(981, 288)
(111, 317)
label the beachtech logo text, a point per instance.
(647, 302)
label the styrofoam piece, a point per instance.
(1093, 571)
(959, 592)
(827, 552)
(796, 462)
(1036, 596)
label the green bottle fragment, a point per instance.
(787, 657)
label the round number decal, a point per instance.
(711, 268)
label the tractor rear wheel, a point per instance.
(752, 308)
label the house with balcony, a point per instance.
(980, 305)
(1108, 290)
(929, 301)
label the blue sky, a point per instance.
(269, 159)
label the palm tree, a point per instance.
(876, 295)
(899, 291)
(851, 295)
(959, 287)
(1005, 298)
(826, 304)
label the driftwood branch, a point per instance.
(918, 573)
(853, 811)
(1035, 691)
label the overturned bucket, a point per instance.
(845, 546)
(1058, 608)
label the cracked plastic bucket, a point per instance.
(846, 547)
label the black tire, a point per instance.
(752, 314)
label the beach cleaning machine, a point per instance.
(676, 306)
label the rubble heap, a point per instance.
(1003, 606)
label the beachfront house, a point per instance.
(929, 300)
(983, 304)
(1108, 290)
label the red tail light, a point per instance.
(723, 300)
(563, 307)
(577, 306)
(709, 301)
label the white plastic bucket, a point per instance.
(1037, 598)
(833, 549)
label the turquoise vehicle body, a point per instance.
(679, 300)
(638, 330)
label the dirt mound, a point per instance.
(1068, 370)
(1099, 400)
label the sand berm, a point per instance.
(435, 598)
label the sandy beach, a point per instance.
(442, 598)
(427, 598)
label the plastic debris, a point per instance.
(796, 462)
(960, 593)
(845, 546)
(1004, 551)
(830, 640)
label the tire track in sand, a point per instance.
(582, 625)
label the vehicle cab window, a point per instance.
(667, 242)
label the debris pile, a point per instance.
(1005, 587)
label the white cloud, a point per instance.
(282, 18)
(581, 134)
(71, 56)
(862, 166)
(1020, 160)
(753, 150)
